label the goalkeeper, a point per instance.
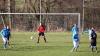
(41, 31)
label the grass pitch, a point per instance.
(58, 44)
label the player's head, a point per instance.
(75, 25)
(7, 27)
(92, 28)
(93, 31)
(40, 24)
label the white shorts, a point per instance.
(89, 38)
(4, 39)
(76, 43)
(93, 46)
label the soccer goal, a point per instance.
(30, 21)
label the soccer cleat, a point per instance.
(4, 48)
(71, 50)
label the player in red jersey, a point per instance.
(41, 30)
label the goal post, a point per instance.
(54, 14)
(3, 21)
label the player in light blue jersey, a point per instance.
(75, 37)
(4, 33)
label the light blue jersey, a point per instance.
(75, 31)
(4, 32)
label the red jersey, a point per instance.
(41, 28)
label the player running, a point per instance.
(41, 31)
(75, 37)
(4, 33)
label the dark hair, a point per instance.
(93, 31)
(42, 25)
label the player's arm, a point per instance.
(1, 32)
(38, 29)
(72, 29)
(96, 35)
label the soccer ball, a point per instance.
(31, 37)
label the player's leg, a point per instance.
(90, 41)
(92, 48)
(73, 46)
(8, 40)
(95, 46)
(76, 45)
(44, 37)
(96, 49)
(39, 37)
(72, 49)
(92, 44)
(5, 42)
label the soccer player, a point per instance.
(75, 37)
(41, 31)
(4, 33)
(90, 32)
(93, 40)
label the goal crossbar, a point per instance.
(45, 13)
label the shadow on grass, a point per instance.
(35, 48)
(89, 50)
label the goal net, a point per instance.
(30, 21)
